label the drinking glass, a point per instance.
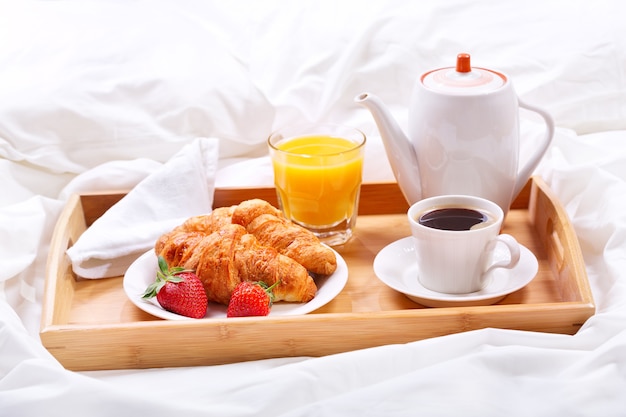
(317, 173)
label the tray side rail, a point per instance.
(553, 226)
(70, 225)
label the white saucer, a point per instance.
(396, 266)
(142, 272)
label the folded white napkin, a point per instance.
(181, 188)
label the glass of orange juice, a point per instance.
(317, 173)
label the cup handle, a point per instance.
(514, 251)
(526, 171)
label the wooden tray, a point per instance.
(91, 324)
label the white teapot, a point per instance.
(463, 138)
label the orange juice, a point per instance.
(318, 178)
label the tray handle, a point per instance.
(557, 234)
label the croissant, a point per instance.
(209, 223)
(230, 255)
(271, 228)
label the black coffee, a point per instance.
(452, 218)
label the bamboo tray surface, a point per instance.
(91, 324)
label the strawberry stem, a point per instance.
(269, 290)
(164, 274)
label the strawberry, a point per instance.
(178, 290)
(251, 299)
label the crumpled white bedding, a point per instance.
(97, 95)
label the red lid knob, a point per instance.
(463, 63)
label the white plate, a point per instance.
(396, 266)
(143, 271)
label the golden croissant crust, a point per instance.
(271, 228)
(224, 258)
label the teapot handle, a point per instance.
(525, 172)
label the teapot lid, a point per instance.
(463, 79)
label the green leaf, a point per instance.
(154, 288)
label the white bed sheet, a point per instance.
(97, 95)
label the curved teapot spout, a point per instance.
(399, 150)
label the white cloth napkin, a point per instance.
(181, 188)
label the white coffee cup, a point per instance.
(457, 261)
